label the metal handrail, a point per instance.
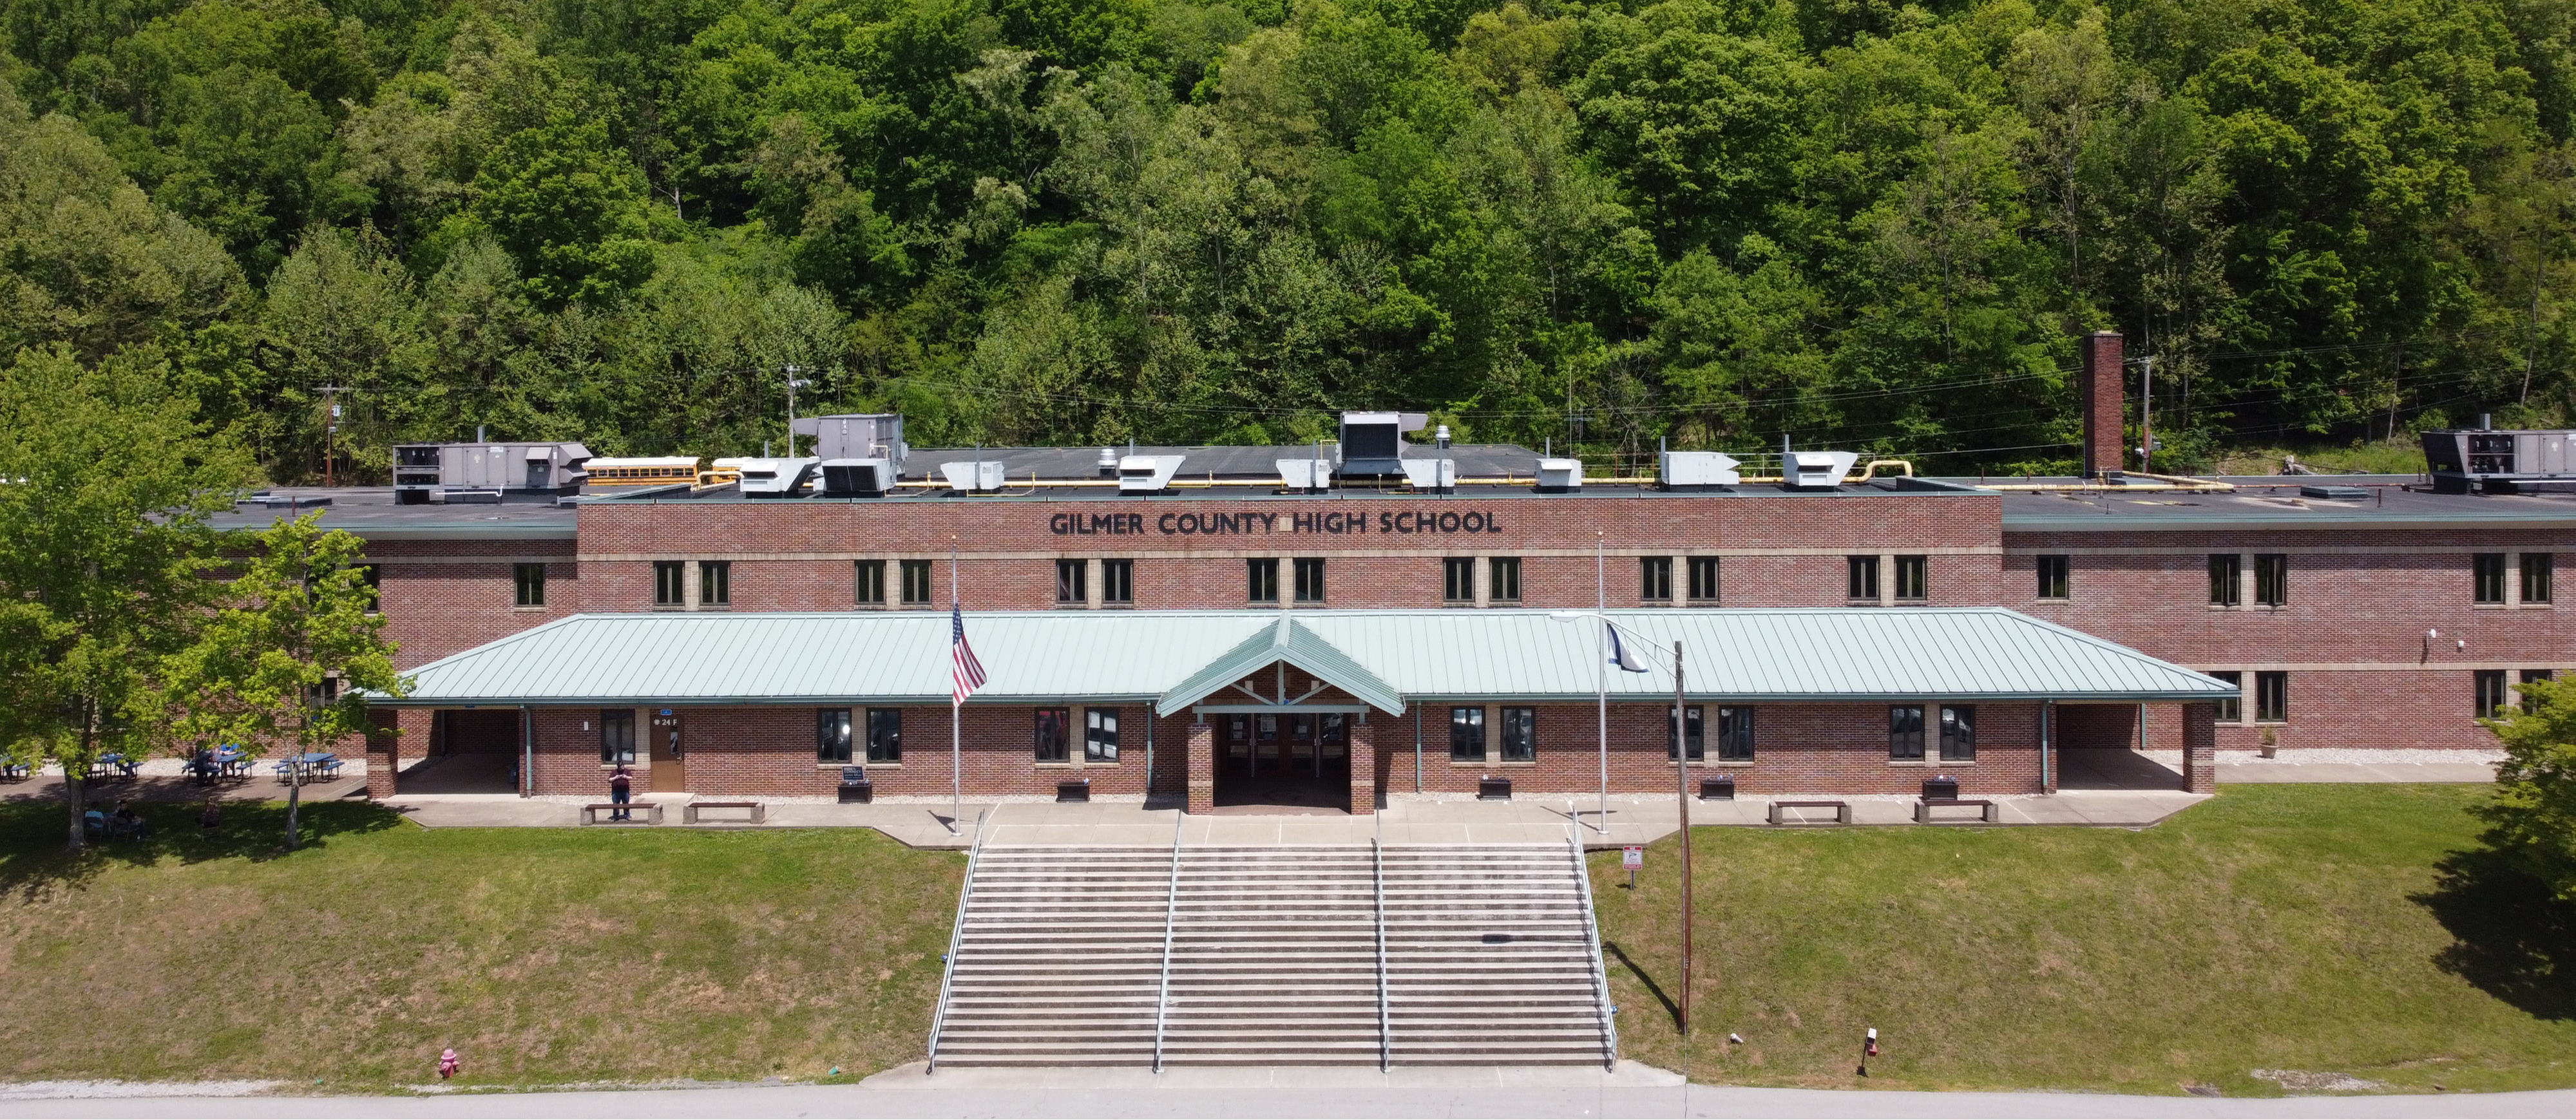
(1171, 907)
(956, 941)
(1385, 1029)
(1600, 970)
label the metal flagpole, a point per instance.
(1681, 749)
(1601, 673)
(956, 761)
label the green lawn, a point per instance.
(542, 955)
(2343, 929)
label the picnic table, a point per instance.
(233, 762)
(309, 764)
(15, 771)
(108, 766)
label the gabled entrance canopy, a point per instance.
(1289, 642)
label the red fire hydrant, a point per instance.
(447, 1063)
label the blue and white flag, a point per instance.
(1619, 654)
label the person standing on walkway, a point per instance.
(621, 784)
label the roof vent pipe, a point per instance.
(2486, 422)
(1108, 462)
(478, 433)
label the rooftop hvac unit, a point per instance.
(2498, 462)
(1696, 470)
(859, 435)
(777, 478)
(1815, 470)
(487, 472)
(1147, 474)
(1438, 476)
(858, 478)
(1558, 476)
(1373, 442)
(973, 478)
(1312, 476)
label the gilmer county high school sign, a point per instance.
(1264, 524)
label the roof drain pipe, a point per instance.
(527, 751)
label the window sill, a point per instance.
(1470, 764)
(1055, 766)
(1909, 763)
(668, 607)
(637, 766)
(715, 608)
(538, 609)
(1918, 601)
(1702, 603)
(2058, 599)
(1957, 762)
(2542, 605)
(1861, 603)
(1099, 764)
(1503, 603)
(2486, 606)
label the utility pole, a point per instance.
(1681, 750)
(792, 385)
(330, 428)
(2146, 413)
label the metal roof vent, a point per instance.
(1696, 470)
(777, 478)
(1815, 470)
(1434, 476)
(1109, 462)
(981, 477)
(1147, 474)
(1373, 442)
(2336, 493)
(858, 478)
(1306, 476)
(2497, 462)
(856, 435)
(1558, 476)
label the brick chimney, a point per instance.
(2104, 414)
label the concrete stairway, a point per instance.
(1274, 958)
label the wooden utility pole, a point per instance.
(330, 429)
(1681, 748)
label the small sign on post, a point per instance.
(1632, 857)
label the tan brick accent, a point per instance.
(2200, 748)
(1202, 756)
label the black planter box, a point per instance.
(1493, 789)
(1941, 789)
(858, 793)
(1719, 788)
(1073, 791)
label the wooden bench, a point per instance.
(1987, 811)
(1842, 809)
(651, 811)
(691, 812)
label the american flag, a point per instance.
(969, 673)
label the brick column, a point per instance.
(2200, 748)
(384, 751)
(2102, 386)
(1202, 752)
(1363, 768)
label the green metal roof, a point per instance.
(1387, 658)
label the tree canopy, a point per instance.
(1856, 222)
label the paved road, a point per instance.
(1399, 1101)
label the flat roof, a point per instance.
(1384, 657)
(370, 512)
(2276, 501)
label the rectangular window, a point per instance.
(617, 736)
(373, 577)
(715, 583)
(1958, 733)
(1261, 580)
(2271, 697)
(1703, 579)
(1118, 583)
(2232, 709)
(2536, 567)
(1694, 733)
(2226, 579)
(2271, 579)
(868, 583)
(1072, 582)
(1466, 734)
(1913, 577)
(1520, 734)
(669, 578)
(2052, 576)
(916, 583)
(1310, 579)
(1655, 579)
(831, 734)
(531, 580)
(1100, 734)
(1458, 580)
(2530, 704)
(1861, 578)
(885, 735)
(1054, 733)
(2490, 693)
(1507, 579)
(1905, 732)
(1735, 734)
(2487, 577)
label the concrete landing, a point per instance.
(1628, 1075)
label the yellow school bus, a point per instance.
(665, 470)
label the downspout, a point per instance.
(527, 751)
(2047, 781)
(1149, 752)
(1417, 748)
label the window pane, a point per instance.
(1261, 580)
(1310, 579)
(1905, 731)
(2487, 575)
(715, 582)
(1117, 581)
(1458, 579)
(1100, 734)
(869, 576)
(2490, 700)
(1467, 734)
(1507, 579)
(1693, 732)
(1053, 734)
(1912, 577)
(532, 585)
(2225, 578)
(1862, 579)
(1654, 578)
(832, 734)
(2271, 697)
(2271, 580)
(1735, 734)
(1069, 581)
(2536, 570)
(617, 735)
(668, 577)
(885, 735)
(916, 582)
(2531, 703)
(1703, 579)
(1958, 733)
(2053, 576)
(1520, 734)
(2231, 709)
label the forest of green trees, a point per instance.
(1858, 223)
